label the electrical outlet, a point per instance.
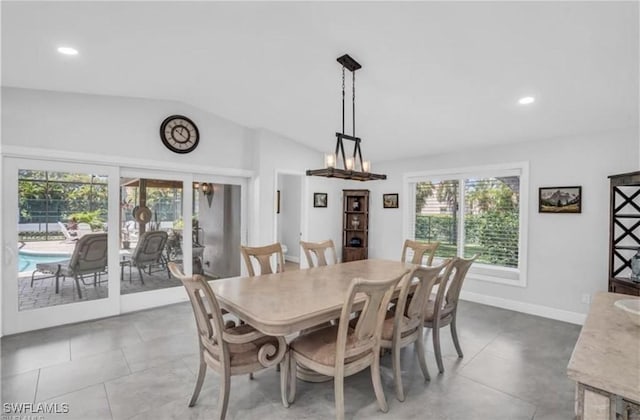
(586, 298)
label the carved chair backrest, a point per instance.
(205, 309)
(451, 282)
(369, 326)
(419, 250)
(319, 249)
(262, 255)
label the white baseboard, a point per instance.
(524, 307)
(292, 259)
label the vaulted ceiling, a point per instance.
(436, 76)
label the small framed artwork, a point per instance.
(390, 201)
(319, 199)
(560, 200)
(278, 202)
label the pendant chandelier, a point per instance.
(353, 167)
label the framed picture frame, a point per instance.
(278, 202)
(319, 199)
(560, 199)
(390, 201)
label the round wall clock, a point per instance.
(179, 134)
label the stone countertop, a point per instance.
(607, 354)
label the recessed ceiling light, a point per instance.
(67, 51)
(526, 100)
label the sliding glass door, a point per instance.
(89, 241)
(57, 239)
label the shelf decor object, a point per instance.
(353, 167)
(355, 225)
(624, 233)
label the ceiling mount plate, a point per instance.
(349, 63)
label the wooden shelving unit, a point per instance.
(355, 225)
(624, 231)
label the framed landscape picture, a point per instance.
(390, 201)
(319, 199)
(560, 200)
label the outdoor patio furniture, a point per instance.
(148, 252)
(89, 257)
(69, 237)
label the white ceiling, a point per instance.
(436, 77)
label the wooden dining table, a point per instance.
(284, 303)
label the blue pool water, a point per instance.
(27, 260)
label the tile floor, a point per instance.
(143, 366)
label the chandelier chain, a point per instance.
(343, 99)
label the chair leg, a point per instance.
(78, 286)
(454, 335)
(293, 366)
(377, 382)
(420, 351)
(140, 273)
(223, 400)
(338, 390)
(284, 380)
(397, 371)
(201, 374)
(436, 347)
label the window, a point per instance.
(474, 211)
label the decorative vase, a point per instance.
(635, 267)
(355, 222)
(356, 205)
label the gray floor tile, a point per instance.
(88, 403)
(20, 388)
(514, 366)
(31, 356)
(147, 354)
(540, 385)
(151, 388)
(101, 337)
(77, 374)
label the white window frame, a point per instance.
(483, 272)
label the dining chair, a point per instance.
(419, 250)
(262, 255)
(148, 252)
(319, 250)
(89, 257)
(343, 350)
(443, 310)
(228, 351)
(403, 325)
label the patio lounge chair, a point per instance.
(147, 253)
(89, 257)
(67, 235)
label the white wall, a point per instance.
(276, 153)
(567, 253)
(117, 126)
(289, 219)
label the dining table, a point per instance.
(284, 303)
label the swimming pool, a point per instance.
(27, 260)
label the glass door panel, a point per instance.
(62, 237)
(216, 229)
(151, 226)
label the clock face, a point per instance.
(179, 134)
